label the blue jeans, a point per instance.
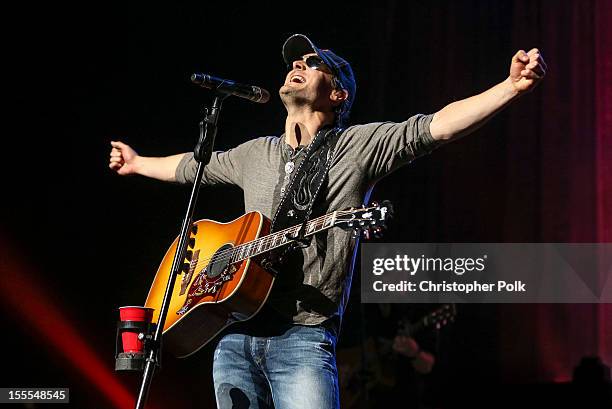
(294, 370)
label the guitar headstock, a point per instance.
(438, 318)
(365, 221)
(441, 316)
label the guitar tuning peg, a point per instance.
(188, 255)
(191, 243)
(185, 268)
(194, 229)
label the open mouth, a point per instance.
(297, 79)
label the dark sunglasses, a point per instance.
(314, 62)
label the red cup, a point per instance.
(129, 338)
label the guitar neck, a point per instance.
(412, 329)
(436, 319)
(281, 238)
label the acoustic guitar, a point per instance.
(226, 276)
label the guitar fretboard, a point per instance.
(281, 238)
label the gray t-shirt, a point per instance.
(316, 288)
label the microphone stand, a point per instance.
(202, 154)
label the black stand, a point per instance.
(202, 154)
(131, 361)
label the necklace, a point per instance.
(294, 154)
(290, 165)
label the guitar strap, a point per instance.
(300, 195)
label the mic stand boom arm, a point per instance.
(202, 154)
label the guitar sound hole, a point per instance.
(219, 262)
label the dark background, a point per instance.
(79, 241)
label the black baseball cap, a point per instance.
(298, 45)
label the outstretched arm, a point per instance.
(125, 161)
(224, 167)
(465, 116)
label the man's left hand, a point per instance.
(406, 346)
(527, 69)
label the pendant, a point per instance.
(289, 166)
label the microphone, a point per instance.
(229, 87)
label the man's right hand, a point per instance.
(126, 161)
(123, 158)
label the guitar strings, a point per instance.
(271, 238)
(265, 241)
(229, 255)
(234, 251)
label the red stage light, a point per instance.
(19, 289)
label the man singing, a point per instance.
(285, 356)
